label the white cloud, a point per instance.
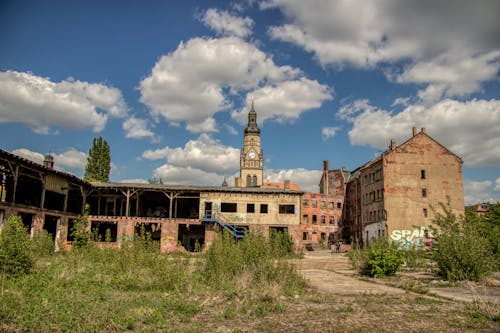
(469, 129)
(70, 160)
(172, 174)
(477, 191)
(285, 101)
(134, 181)
(449, 43)
(195, 81)
(201, 161)
(226, 24)
(42, 104)
(329, 132)
(307, 180)
(136, 128)
(497, 185)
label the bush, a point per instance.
(460, 250)
(378, 260)
(16, 257)
(79, 232)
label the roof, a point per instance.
(293, 186)
(193, 188)
(39, 167)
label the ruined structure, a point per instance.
(394, 194)
(390, 196)
(322, 211)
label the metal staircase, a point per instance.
(238, 232)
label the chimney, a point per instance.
(325, 165)
(423, 130)
(393, 144)
(48, 162)
(414, 131)
(287, 184)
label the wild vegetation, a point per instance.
(234, 286)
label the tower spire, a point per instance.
(252, 121)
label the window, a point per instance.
(424, 193)
(314, 219)
(250, 208)
(322, 204)
(305, 219)
(332, 220)
(287, 209)
(314, 204)
(339, 205)
(323, 236)
(425, 212)
(323, 219)
(305, 203)
(228, 207)
(331, 205)
(305, 236)
(263, 208)
(422, 174)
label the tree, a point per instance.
(15, 249)
(98, 162)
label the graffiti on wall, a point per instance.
(418, 237)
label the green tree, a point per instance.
(79, 232)
(15, 249)
(98, 161)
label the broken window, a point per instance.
(305, 236)
(305, 203)
(104, 231)
(250, 208)
(332, 220)
(339, 205)
(263, 208)
(314, 204)
(305, 219)
(314, 219)
(287, 209)
(228, 207)
(323, 219)
(322, 204)
(331, 205)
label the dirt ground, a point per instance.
(332, 273)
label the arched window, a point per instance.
(254, 182)
(249, 181)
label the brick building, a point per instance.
(322, 211)
(394, 194)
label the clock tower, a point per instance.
(251, 156)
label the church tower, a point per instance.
(251, 156)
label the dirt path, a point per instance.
(332, 273)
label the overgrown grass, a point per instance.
(136, 288)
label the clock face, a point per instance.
(251, 155)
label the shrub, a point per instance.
(461, 251)
(79, 232)
(16, 257)
(378, 260)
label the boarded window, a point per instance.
(287, 209)
(228, 207)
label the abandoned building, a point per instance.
(177, 216)
(395, 194)
(391, 196)
(322, 211)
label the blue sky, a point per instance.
(169, 83)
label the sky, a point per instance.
(168, 84)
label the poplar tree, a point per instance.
(98, 162)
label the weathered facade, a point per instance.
(322, 211)
(395, 194)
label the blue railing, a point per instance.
(238, 232)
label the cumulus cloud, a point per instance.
(226, 24)
(469, 129)
(202, 159)
(42, 104)
(451, 45)
(307, 180)
(497, 185)
(285, 101)
(134, 181)
(197, 80)
(70, 160)
(136, 128)
(329, 132)
(477, 191)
